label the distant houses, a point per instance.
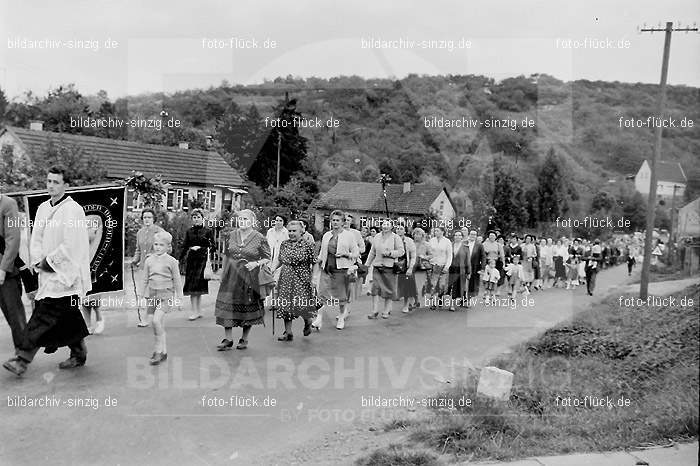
(688, 234)
(689, 220)
(190, 174)
(670, 177)
(365, 201)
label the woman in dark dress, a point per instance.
(240, 300)
(459, 272)
(501, 263)
(295, 297)
(199, 241)
(406, 282)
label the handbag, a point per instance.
(208, 270)
(424, 264)
(265, 276)
(361, 269)
(401, 263)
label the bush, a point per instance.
(580, 340)
(397, 455)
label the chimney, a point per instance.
(210, 141)
(36, 125)
(184, 145)
(406, 187)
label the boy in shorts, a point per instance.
(163, 290)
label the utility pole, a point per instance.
(384, 179)
(671, 258)
(651, 204)
(279, 139)
(279, 148)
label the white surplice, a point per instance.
(60, 235)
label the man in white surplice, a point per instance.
(60, 252)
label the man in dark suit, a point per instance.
(476, 258)
(10, 284)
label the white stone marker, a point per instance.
(495, 383)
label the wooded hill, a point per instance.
(381, 129)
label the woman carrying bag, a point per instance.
(196, 251)
(240, 302)
(387, 247)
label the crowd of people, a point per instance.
(285, 270)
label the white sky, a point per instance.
(160, 42)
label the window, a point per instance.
(178, 199)
(207, 199)
(134, 200)
(227, 203)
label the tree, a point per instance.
(553, 189)
(3, 105)
(515, 94)
(63, 104)
(509, 201)
(293, 149)
(29, 171)
(16, 172)
(603, 201)
(633, 207)
(84, 168)
(239, 135)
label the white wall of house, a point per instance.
(642, 182)
(642, 179)
(216, 199)
(443, 207)
(8, 139)
(689, 219)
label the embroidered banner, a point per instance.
(105, 215)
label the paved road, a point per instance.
(317, 383)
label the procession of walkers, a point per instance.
(284, 270)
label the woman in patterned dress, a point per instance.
(295, 296)
(529, 256)
(240, 301)
(199, 240)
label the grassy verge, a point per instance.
(646, 357)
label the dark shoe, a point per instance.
(307, 328)
(373, 316)
(225, 345)
(16, 366)
(286, 337)
(157, 358)
(242, 344)
(72, 363)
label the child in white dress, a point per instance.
(514, 272)
(490, 277)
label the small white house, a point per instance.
(365, 201)
(669, 177)
(689, 220)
